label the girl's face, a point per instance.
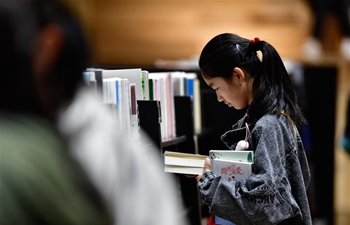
(236, 92)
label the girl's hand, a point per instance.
(207, 167)
(191, 175)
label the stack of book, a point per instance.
(232, 165)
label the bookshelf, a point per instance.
(149, 119)
(166, 122)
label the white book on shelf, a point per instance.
(96, 80)
(197, 108)
(192, 84)
(179, 83)
(164, 93)
(135, 125)
(116, 93)
(134, 75)
(125, 100)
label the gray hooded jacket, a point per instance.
(275, 193)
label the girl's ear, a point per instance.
(48, 48)
(238, 75)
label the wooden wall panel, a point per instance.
(139, 32)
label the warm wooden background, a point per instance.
(138, 32)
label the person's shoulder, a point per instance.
(28, 137)
(36, 169)
(30, 128)
(268, 123)
(30, 151)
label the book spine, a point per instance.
(135, 126)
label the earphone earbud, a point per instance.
(242, 145)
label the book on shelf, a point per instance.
(120, 89)
(134, 75)
(188, 84)
(116, 92)
(229, 164)
(163, 91)
(93, 78)
(134, 120)
(179, 83)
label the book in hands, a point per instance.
(184, 163)
(187, 163)
(232, 165)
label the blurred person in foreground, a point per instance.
(39, 182)
(53, 126)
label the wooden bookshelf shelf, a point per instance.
(173, 141)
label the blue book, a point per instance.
(190, 87)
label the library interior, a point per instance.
(155, 45)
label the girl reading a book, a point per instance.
(276, 190)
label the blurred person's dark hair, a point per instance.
(22, 22)
(31, 92)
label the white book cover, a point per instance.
(232, 166)
(231, 170)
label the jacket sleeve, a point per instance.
(265, 196)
